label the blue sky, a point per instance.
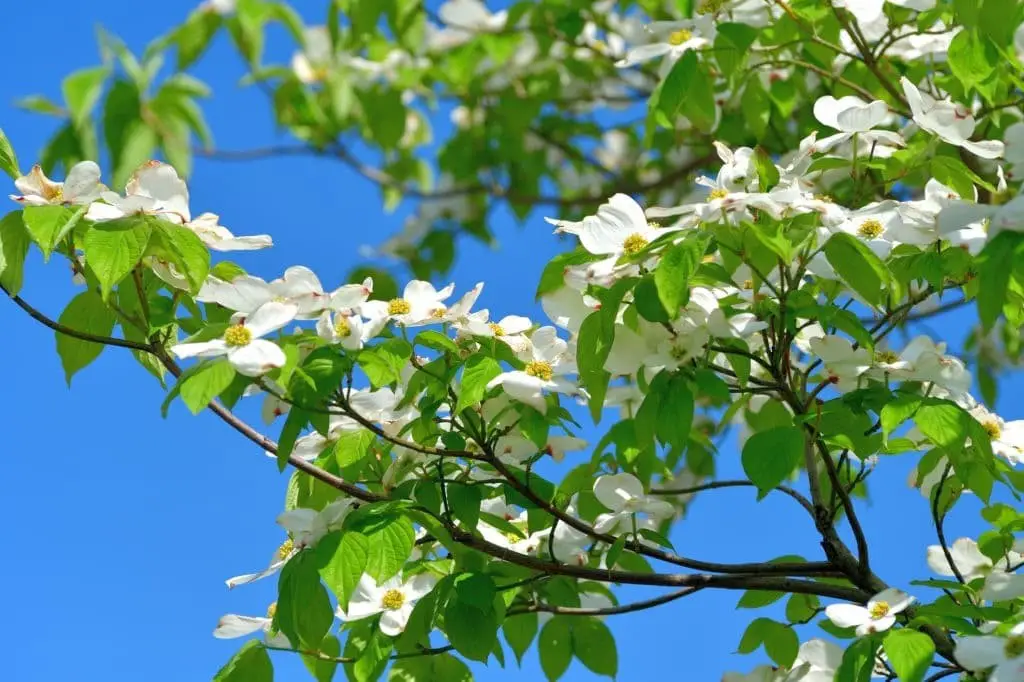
(122, 526)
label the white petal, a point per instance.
(643, 53)
(847, 615)
(979, 653)
(1002, 586)
(393, 621)
(205, 349)
(419, 586)
(231, 626)
(160, 182)
(616, 490)
(270, 316)
(82, 182)
(256, 358)
(244, 294)
(862, 117)
(270, 570)
(896, 599)
(986, 149)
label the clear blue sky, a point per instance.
(120, 526)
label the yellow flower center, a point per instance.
(825, 198)
(398, 306)
(54, 194)
(654, 224)
(879, 609)
(496, 329)
(718, 194)
(677, 353)
(272, 610)
(237, 335)
(679, 37)
(993, 429)
(342, 327)
(285, 549)
(886, 356)
(633, 243)
(748, 284)
(513, 537)
(540, 369)
(392, 600)
(1014, 646)
(709, 6)
(437, 313)
(870, 229)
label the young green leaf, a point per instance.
(910, 653)
(89, 314)
(250, 664)
(859, 266)
(770, 456)
(555, 647)
(342, 558)
(206, 383)
(114, 248)
(479, 370)
(8, 159)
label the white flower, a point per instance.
(843, 363)
(222, 7)
(951, 122)
(672, 40)
(924, 360)
(81, 186)
(349, 330)
(232, 626)
(217, 237)
(394, 599)
(312, 63)
(154, 189)
(960, 215)
(879, 614)
(246, 351)
(299, 287)
(624, 495)
(853, 116)
(1007, 437)
(547, 358)
(420, 304)
(967, 558)
(1002, 586)
(1005, 654)
(619, 228)
(817, 661)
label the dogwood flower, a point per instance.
(968, 559)
(963, 215)
(299, 286)
(349, 330)
(624, 495)
(816, 661)
(81, 186)
(672, 39)
(619, 228)
(1007, 437)
(154, 189)
(853, 116)
(1004, 586)
(420, 304)
(951, 122)
(1004, 654)
(546, 358)
(394, 599)
(311, 64)
(249, 354)
(232, 626)
(843, 363)
(879, 614)
(217, 237)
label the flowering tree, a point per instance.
(813, 178)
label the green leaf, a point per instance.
(994, 274)
(85, 313)
(555, 647)
(593, 644)
(675, 412)
(206, 383)
(972, 58)
(465, 504)
(351, 449)
(479, 370)
(731, 44)
(672, 276)
(194, 36)
(858, 266)
(779, 640)
(384, 114)
(293, 425)
(82, 90)
(770, 456)
(304, 612)
(898, 411)
(519, 633)
(49, 224)
(755, 599)
(114, 248)
(443, 668)
(910, 653)
(323, 670)
(998, 19)
(767, 172)
(8, 159)
(687, 91)
(858, 661)
(14, 245)
(184, 249)
(250, 664)
(944, 423)
(471, 630)
(384, 362)
(431, 338)
(390, 547)
(342, 559)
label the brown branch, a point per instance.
(715, 485)
(606, 610)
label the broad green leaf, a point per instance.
(779, 640)
(994, 274)
(859, 266)
(208, 382)
(431, 338)
(465, 504)
(755, 599)
(732, 41)
(944, 423)
(972, 58)
(384, 362)
(48, 225)
(478, 371)
(686, 91)
(443, 668)
(910, 653)
(675, 412)
(384, 114)
(770, 456)
(304, 612)
(672, 276)
(767, 173)
(8, 159)
(898, 411)
(520, 631)
(193, 37)
(341, 558)
(858, 661)
(14, 244)
(351, 449)
(82, 90)
(593, 644)
(85, 313)
(323, 670)
(390, 547)
(182, 248)
(114, 248)
(471, 630)
(250, 664)
(555, 647)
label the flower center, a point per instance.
(540, 369)
(653, 224)
(392, 600)
(709, 6)
(342, 327)
(886, 356)
(513, 537)
(496, 329)
(879, 609)
(824, 198)
(870, 229)
(677, 353)
(679, 37)
(285, 549)
(633, 243)
(748, 284)
(237, 335)
(993, 429)
(398, 306)
(55, 194)
(718, 194)
(1014, 646)
(272, 610)
(437, 313)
